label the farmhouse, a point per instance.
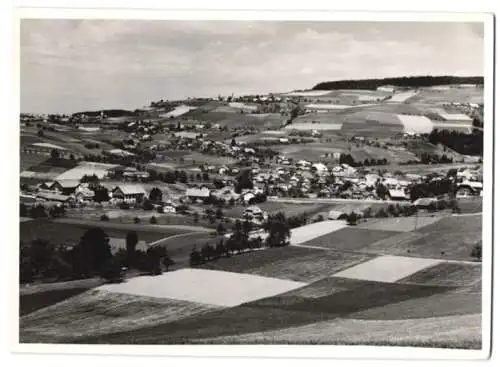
(195, 193)
(128, 193)
(397, 194)
(66, 187)
(83, 193)
(469, 188)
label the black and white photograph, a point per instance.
(255, 182)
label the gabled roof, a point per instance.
(67, 184)
(397, 194)
(129, 189)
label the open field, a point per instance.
(86, 168)
(387, 268)
(460, 95)
(451, 302)
(31, 302)
(444, 332)
(197, 285)
(179, 246)
(199, 158)
(400, 224)
(98, 312)
(308, 126)
(451, 238)
(31, 160)
(310, 231)
(416, 124)
(448, 274)
(471, 205)
(58, 232)
(294, 263)
(349, 239)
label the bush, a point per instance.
(153, 220)
(104, 218)
(319, 218)
(352, 219)
(477, 251)
(159, 210)
(124, 205)
(147, 205)
(137, 220)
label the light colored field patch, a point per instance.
(197, 285)
(403, 96)
(416, 124)
(86, 168)
(311, 126)
(401, 224)
(308, 93)
(388, 269)
(308, 232)
(98, 312)
(433, 331)
(178, 111)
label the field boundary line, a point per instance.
(155, 243)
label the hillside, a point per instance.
(413, 81)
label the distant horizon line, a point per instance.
(267, 93)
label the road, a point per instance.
(335, 201)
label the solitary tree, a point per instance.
(155, 195)
(101, 194)
(278, 230)
(221, 229)
(131, 241)
(352, 219)
(477, 251)
(93, 251)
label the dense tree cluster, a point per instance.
(243, 181)
(348, 159)
(432, 188)
(412, 82)
(91, 256)
(468, 144)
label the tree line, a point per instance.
(412, 82)
(468, 144)
(276, 227)
(91, 256)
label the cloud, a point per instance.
(71, 65)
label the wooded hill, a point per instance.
(412, 81)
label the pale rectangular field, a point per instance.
(387, 268)
(311, 126)
(403, 96)
(400, 224)
(308, 232)
(197, 285)
(416, 124)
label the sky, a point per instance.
(68, 66)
